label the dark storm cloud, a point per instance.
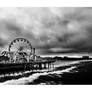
(12, 26)
(2, 43)
(50, 30)
(73, 31)
(8, 30)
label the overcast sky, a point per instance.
(50, 30)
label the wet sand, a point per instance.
(82, 75)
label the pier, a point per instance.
(21, 56)
(17, 67)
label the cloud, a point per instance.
(50, 30)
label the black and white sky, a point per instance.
(51, 30)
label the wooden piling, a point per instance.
(44, 65)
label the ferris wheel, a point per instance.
(20, 47)
(20, 44)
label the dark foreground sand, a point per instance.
(83, 75)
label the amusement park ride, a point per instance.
(21, 56)
(20, 50)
